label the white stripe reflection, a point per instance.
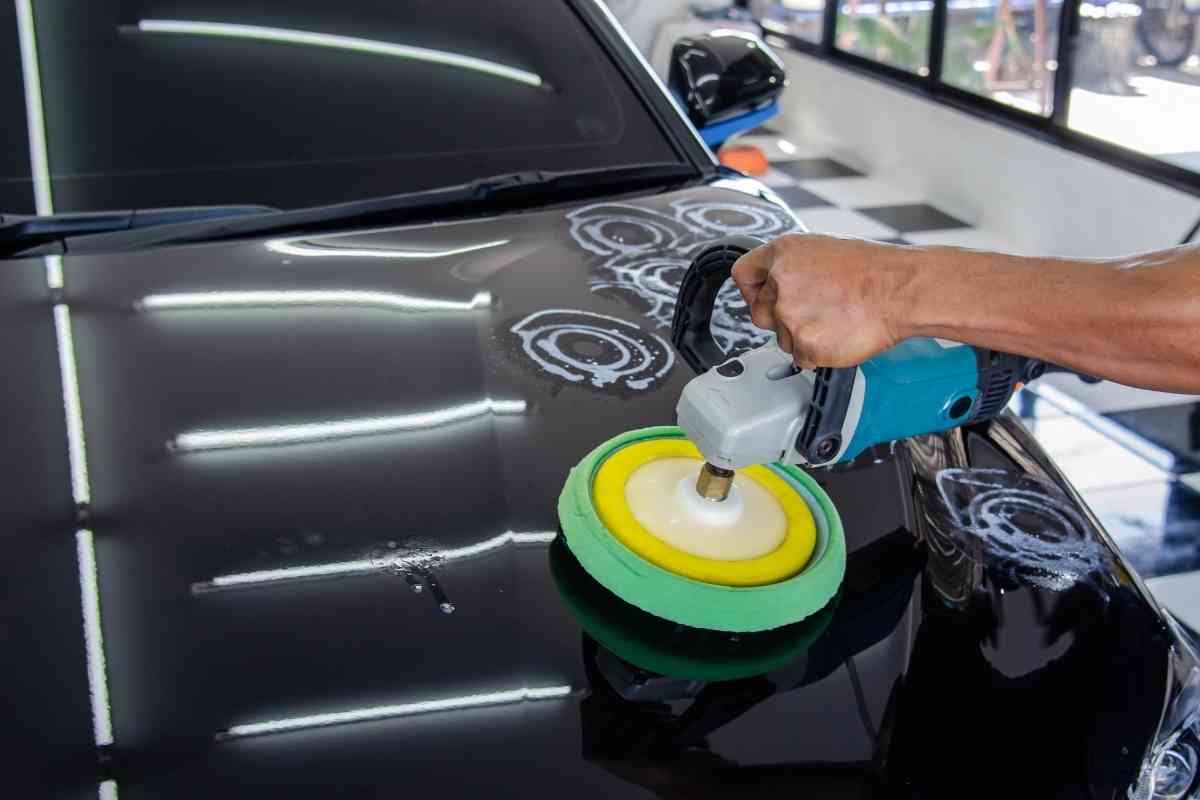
(81, 491)
(93, 638)
(296, 247)
(352, 43)
(339, 429)
(183, 301)
(366, 566)
(35, 120)
(402, 710)
(1158, 456)
(76, 445)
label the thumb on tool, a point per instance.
(762, 310)
(751, 270)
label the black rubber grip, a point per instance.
(690, 329)
(821, 437)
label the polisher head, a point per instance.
(645, 533)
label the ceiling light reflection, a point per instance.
(496, 542)
(296, 247)
(93, 638)
(287, 298)
(403, 710)
(85, 551)
(339, 429)
(352, 43)
(367, 566)
(35, 119)
(54, 271)
(81, 489)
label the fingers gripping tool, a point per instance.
(757, 406)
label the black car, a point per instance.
(333, 297)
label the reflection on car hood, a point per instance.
(318, 479)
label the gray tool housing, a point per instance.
(747, 410)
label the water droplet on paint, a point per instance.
(447, 608)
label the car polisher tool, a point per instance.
(708, 524)
(758, 407)
(739, 549)
(631, 516)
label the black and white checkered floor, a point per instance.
(1133, 454)
(833, 197)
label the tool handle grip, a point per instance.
(690, 329)
(821, 438)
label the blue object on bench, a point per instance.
(720, 132)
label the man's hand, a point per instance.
(831, 302)
(837, 302)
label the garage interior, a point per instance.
(339, 336)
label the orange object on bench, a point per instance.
(744, 158)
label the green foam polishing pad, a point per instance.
(687, 601)
(667, 648)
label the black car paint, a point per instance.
(944, 671)
(141, 120)
(941, 669)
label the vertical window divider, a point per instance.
(829, 25)
(937, 42)
(1052, 128)
(1064, 73)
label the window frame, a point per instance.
(645, 83)
(1051, 129)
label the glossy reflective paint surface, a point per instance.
(321, 497)
(136, 104)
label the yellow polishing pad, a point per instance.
(609, 500)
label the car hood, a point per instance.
(308, 487)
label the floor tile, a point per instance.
(1106, 396)
(778, 148)
(776, 178)
(1089, 458)
(843, 222)
(798, 198)
(970, 238)
(1156, 525)
(1148, 451)
(765, 129)
(1027, 405)
(1174, 427)
(861, 192)
(1179, 594)
(913, 217)
(806, 169)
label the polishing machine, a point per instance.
(758, 407)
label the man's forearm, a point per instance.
(1133, 320)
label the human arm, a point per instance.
(837, 302)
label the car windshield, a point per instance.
(140, 103)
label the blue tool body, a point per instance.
(919, 386)
(757, 406)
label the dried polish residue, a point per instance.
(646, 253)
(416, 562)
(594, 349)
(1025, 527)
